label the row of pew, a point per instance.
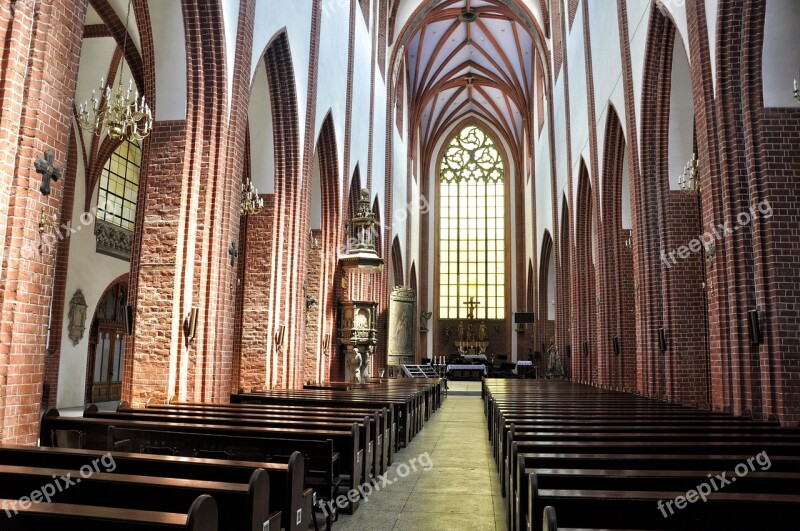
(575, 456)
(264, 461)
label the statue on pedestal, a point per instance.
(353, 364)
(482, 335)
(423, 321)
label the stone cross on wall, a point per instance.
(48, 170)
(234, 252)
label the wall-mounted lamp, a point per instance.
(279, 335)
(192, 328)
(711, 251)
(128, 320)
(310, 299)
(615, 341)
(754, 327)
(586, 349)
(326, 342)
(796, 92)
(662, 340)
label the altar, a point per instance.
(472, 348)
(466, 372)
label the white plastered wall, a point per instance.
(91, 273)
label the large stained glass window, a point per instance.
(119, 186)
(472, 228)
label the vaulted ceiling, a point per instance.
(470, 57)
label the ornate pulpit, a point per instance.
(359, 335)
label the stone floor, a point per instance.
(455, 486)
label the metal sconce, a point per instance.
(326, 342)
(662, 340)
(615, 341)
(586, 349)
(711, 251)
(279, 335)
(754, 327)
(796, 92)
(192, 327)
(310, 299)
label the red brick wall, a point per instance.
(684, 300)
(573, 10)
(150, 357)
(38, 74)
(615, 269)
(258, 324)
(781, 136)
(564, 302)
(557, 19)
(57, 320)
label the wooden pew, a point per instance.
(380, 419)
(228, 419)
(517, 485)
(201, 516)
(94, 431)
(407, 407)
(242, 506)
(286, 479)
(641, 432)
(614, 509)
(577, 438)
(292, 473)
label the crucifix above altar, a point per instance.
(471, 305)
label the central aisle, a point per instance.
(455, 486)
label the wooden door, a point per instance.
(107, 347)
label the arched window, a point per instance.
(119, 186)
(472, 228)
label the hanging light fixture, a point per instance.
(689, 181)
(252, 203)
(114, 111)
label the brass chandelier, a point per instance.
(689, 180)
(114, 111)
(251, 203)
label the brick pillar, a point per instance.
(315, 316)
(258, 358)
(151, 361)
(685, 304)
(37, 88)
